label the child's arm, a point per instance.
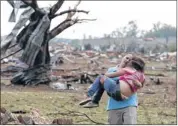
(116, 74)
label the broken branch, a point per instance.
(73, 113)
(11, 54)
(77, 4)
(61, 27)
(71, 14)
(12, 46)
(86, 20)
(69, 11)
(82, 114)
(56, 7)
(65, 24)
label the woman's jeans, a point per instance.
(111, 86)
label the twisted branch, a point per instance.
(56, 7)
(71, 14)
(74, 113)
(68, 22)
(69, 11)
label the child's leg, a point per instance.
(97, 96)
(113, 88)
(95, 99)
(94, 87)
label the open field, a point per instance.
(157, 103)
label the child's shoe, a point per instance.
(85, 101)
(90, 105)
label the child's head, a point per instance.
(137, 63)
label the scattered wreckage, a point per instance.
(34, 118)
(76, 67)
(39, 63)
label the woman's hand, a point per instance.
(124, 97)
(102, 79)
(137, 83)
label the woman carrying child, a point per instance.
(131, 78)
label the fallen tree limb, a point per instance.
(74, 113)
(11, 54)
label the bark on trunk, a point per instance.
(32, 76)
(33, 39)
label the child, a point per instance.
(131, 78)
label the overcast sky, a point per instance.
(109, 14)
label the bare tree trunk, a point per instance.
(34, 38)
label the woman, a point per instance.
(131, 78)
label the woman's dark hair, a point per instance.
(137, 63)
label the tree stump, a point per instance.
(32, 76)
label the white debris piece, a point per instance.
(58, 85)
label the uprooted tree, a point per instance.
(33, 37)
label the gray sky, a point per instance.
(109, 14)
